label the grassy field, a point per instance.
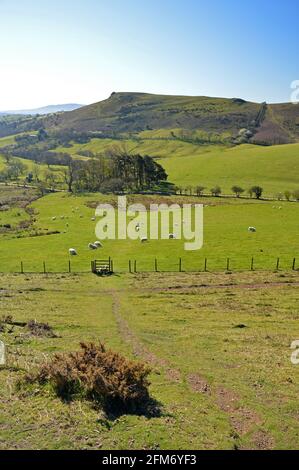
(275, 168)
(218, 345)
(226, 235)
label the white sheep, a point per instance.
(252, 229)
(98, 244)
(73, 252)
(93, 219)
(143, 239)
(92, 246)
(53, 218)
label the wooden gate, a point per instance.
(102, 266)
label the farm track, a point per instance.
(242, 420)
(138, 348)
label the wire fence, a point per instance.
(160, 265)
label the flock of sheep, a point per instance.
(97, 244)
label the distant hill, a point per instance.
(133, 113)
(58, 108)
(137, 112)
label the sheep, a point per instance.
(53, 218)
(143, 239)
(92, 246)
(172, 236)
(73, 252)
(93, 219)
(62, 217)
(252, 229)
(98, 244)
(137, 228)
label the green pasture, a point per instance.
(275, 168)
(218, 346)
(226, 235)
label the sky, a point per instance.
(80, 51)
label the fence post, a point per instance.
(70, 269)
(130, 267)
(277, 264)
(227, 264)
(206, 265)
(294, 264)
(111, 265)
(180, 265)
(156, 265)
(135, 266)
(22, 268)
(44, 265)
(252, 260)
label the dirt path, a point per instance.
(242, 419)
(138, 348)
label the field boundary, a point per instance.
(134, 266)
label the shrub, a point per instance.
(238, 190)
(40, 329)
(287, 195)
(99, 375)
(216, 192)
(296, 194)
(257, 191)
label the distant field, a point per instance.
(274, 168)
(226, 235)
(218, 345)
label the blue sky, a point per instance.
(80, 51)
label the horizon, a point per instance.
(79, 52)
(131, 92)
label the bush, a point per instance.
(99, 375)
(257, 191)
(216, 192)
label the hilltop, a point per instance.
(233, 119)
(137, 112)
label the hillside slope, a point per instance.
(136, 112)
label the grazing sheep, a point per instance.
(144, 239)
(93, 219)
(62, 217)
(53, 218)
(73, 252)
(92, 246)
(98, 244)
(252, 229)
(137, 229)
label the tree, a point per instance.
(237, 190)
(296, 194)
(216, 191)
(15, 169)
(257, 191)
(69, 174)
(36, 171)
(287, 195)
(50, 178)
(199, 190)
(189, 190)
